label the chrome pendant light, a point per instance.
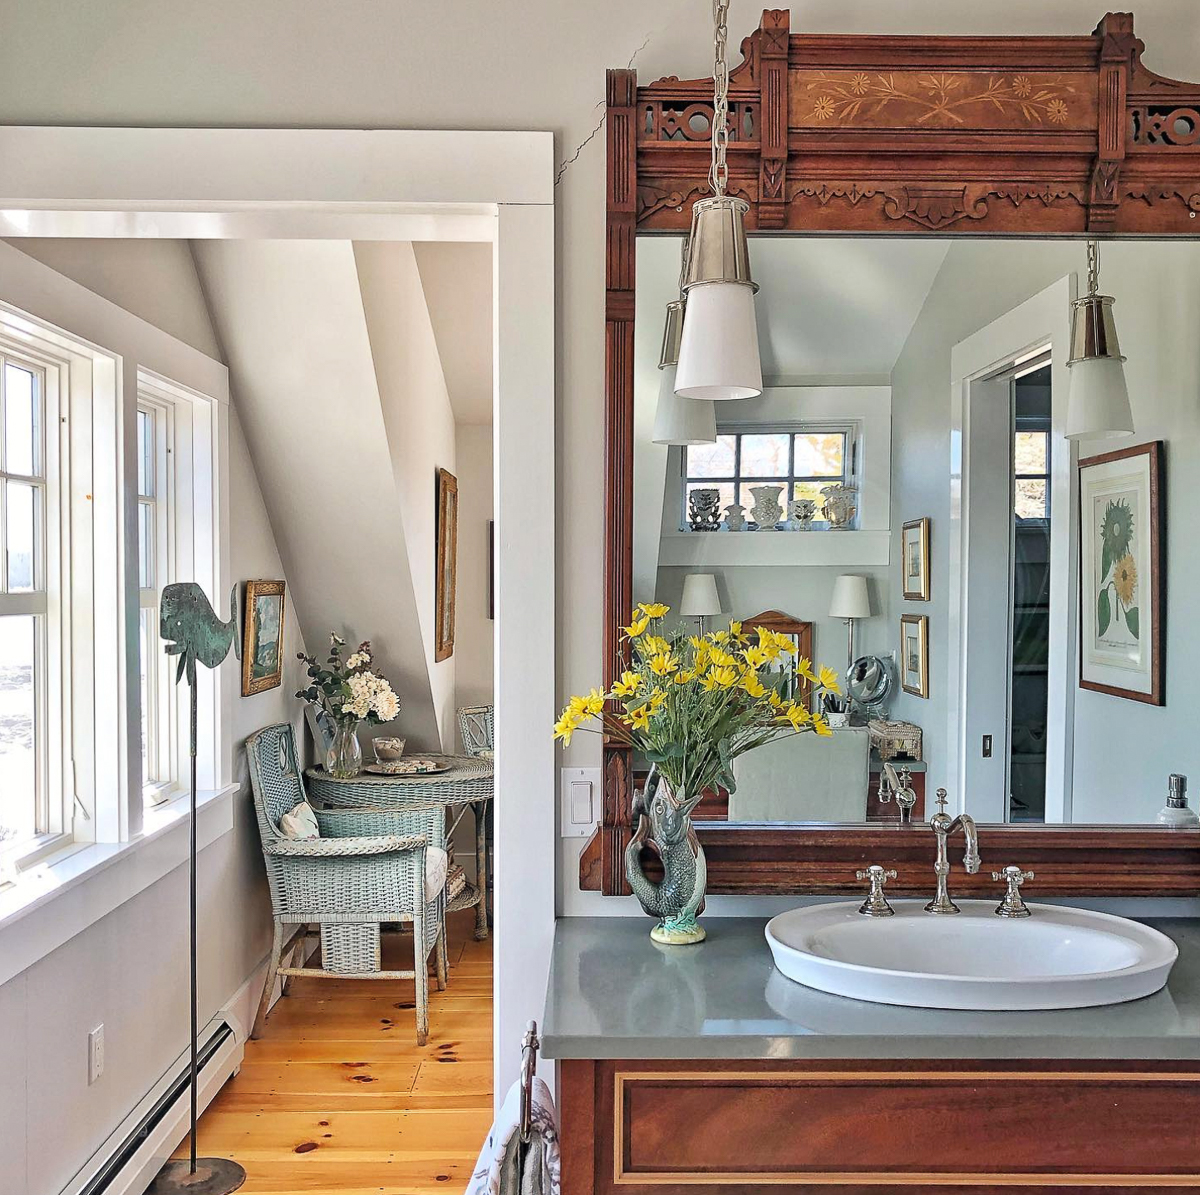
(681, 421)
(718, 355)
(1098, 406)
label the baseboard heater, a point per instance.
(133, 1155)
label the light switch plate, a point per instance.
(580, 808)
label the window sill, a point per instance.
(776, 547)
(48, 904)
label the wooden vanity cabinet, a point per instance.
(878, 1126)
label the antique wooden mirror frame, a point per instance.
(1057, 137)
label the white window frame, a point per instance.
(162, 769)
(81, 572)
(190, 536)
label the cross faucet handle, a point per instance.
(876, 904)
(1013, 905)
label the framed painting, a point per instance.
(446, 579)
(1122, 582)
(914, 654)
(262, 642)
(915, 540)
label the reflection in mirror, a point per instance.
(909, 448)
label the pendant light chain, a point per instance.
(1093, 258)
(718, 173)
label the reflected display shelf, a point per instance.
(731, 548)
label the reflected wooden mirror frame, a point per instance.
(1118, 154)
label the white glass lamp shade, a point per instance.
(700, 598)
(682, 420)
(718, 358)
(850, 598)
(1098, 406)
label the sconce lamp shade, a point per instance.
(850, 598)
(718, 356)
(1098, 404)
(682, 420)
(700, 598)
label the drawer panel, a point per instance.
(965, 1126)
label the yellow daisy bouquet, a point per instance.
(691, 705)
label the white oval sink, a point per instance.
(1057, 958)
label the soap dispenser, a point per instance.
(1176, 812)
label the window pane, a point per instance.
(726, 491)
(18, 757)
(145, 545)
(810, 489)
(146, 653)
(1029, 455)
(20, 421)
(712, 460)
(820, 454)
(22, 532)
(145, 447)
(765, 455)
(1030, 498)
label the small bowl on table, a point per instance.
(388, 750)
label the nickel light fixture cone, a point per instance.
(1098, 405)
(718, 355)
(681, 421)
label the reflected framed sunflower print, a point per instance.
(1122, 582)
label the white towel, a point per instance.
(508, 1166)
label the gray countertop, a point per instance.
(613, 993)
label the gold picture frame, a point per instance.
(914, 654)
(446, 580)
(914, 557)
(262, 639)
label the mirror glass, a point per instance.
(904, 500)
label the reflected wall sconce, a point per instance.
(700, 598)
(1098, 403)
(850, 601)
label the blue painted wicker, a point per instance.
(347, 883)
(477, 725)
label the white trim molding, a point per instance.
(496, 187)
(1042, 323)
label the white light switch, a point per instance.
(580, 793)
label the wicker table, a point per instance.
(468, 783)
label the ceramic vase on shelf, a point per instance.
(343, 760)
(803, 511)
(664, 823)
(704, 509)
(735, 517)
(841, 505)
(766, 510)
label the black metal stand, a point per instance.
(196, 1176)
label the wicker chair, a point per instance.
(476, 723)
(348, 882)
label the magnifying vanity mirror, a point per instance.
(917, 485)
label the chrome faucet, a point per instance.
(943, 826)
(898, 785)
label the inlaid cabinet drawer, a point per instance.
(884, 1126)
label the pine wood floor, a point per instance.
(336, 1096)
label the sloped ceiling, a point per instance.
(457, 280)
(290, 317)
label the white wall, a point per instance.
(474, 643)
(129, 970)
(1123, 749)
(420, 436)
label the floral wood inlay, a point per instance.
(941, 99)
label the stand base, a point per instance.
(214, 1176)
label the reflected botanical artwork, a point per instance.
(914, 654)
(915, 558)
(1121, 562)
(262, 658)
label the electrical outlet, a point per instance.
(95, 1054)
